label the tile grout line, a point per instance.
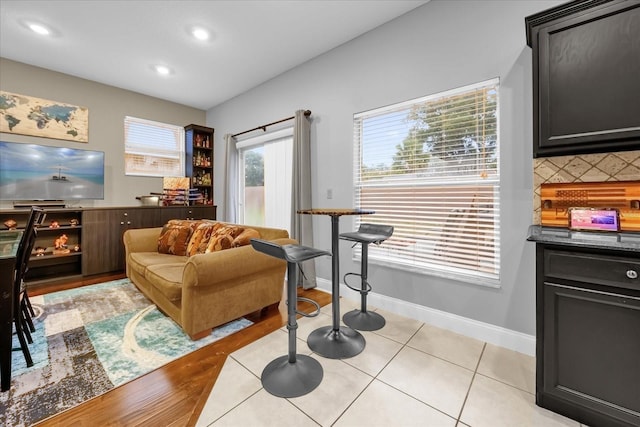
(374, 378)
(464, 402)
(403, 346)
(243, 400)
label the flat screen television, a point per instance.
(40, 172)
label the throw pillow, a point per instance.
(223, 237)
(245, 237)
(200, 238)
(173, 239)
(192, 223)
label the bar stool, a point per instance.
(291, 375)
(367, 233)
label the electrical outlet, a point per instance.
(330, 193)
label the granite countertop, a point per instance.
(625, 241)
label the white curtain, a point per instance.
(231, 180)
(301, 225)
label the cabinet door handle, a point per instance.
(632, 274)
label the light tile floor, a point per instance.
(409, 374)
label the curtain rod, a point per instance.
(307, 113)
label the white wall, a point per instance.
(439, 46)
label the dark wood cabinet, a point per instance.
(588, 334)
(105, 227)
(199, 161)
(104, 231)
(94, 237)
(586, 84)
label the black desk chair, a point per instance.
(362, 319)
(22, 309)
(292, 375)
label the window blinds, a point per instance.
(153, 148)
(430, 168)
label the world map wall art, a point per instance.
(26, 115)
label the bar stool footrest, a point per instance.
(285, 379)
(312, 302)
(353, 288)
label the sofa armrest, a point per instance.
(217, 267)
(141, 240)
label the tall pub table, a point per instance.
(335, 341)
(9, 242)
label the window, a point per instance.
(430, 168)
(265, 179)
(153, 148)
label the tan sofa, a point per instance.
(205, 290)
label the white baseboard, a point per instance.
(482, 331)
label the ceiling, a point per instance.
(118, 43)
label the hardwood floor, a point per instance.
(174, 394)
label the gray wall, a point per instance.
(439, 46)
(107, 108)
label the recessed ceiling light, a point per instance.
(163, 70)
(200, 33)
(39, 29)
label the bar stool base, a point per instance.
(284, 379)
(363, 321)
(336, 344)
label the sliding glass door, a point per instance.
(265, 180)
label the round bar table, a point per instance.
(335, 341)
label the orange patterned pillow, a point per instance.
(223, 237)
(245, 237)
(173, 239)
(191, 223)
(200, 238)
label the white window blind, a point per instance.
(430, 168)
(153, 148)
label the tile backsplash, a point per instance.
(602, 167)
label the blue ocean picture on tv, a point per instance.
(39, 172)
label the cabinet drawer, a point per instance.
(608, 270)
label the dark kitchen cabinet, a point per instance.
(586, 77)
(588, 334)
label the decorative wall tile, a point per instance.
(602, 167)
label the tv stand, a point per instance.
(50, 204)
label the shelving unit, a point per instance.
(94, 244)
(199, 162)
(48, 261)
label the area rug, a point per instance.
(89, 340)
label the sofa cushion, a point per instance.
(174, 239)
(245, 237)
(139, 261)
(200, 237)
(167, 279)
(222, 238)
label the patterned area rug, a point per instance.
(88, 341)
